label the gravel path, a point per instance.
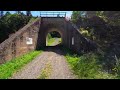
(60, 69)
(51, 61)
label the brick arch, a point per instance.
(48, 25)
(50, 28)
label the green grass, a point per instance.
(50, 41)
(7, 69)
(87, 66)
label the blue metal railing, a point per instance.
(52, 14)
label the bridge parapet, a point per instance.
(52, 14)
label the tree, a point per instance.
(1, 13)
(90, 14)
(28, 13)
(76, 15)
(113, 17)
(10, 23)
(7, 13)
(18, 12)
(100, 13)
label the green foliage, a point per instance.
(87, 66)
(116, 68)
(72, 59)
(113, 17)
(84, 32)
(51, 37)
(50, 41)
(1, 13)
(28, 13)
(10, 23)
(104, 30)
(76, 15)
(32, 19)
(100, 13)
(60, 40)
(7, 69)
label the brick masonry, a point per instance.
(16, 45)
(19, 44)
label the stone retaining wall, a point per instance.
(18, 44)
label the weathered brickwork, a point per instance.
(16, 45)
(80, 44)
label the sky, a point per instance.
(37, 13)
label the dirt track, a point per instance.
(51, 64)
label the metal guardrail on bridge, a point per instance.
(52, 14)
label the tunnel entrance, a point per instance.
(53, 38)
(52, 33)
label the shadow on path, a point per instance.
(57, 49)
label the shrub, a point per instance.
(87, 66)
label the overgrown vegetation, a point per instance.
(102, 27)
(49, 40)
(87, 66)
(32, 19)
(10, 67)
(10, 23)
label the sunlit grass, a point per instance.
(87, 66)
(7, 69)
(50, 41)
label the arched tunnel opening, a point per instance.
(53, 38)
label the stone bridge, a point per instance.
(33, 36)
